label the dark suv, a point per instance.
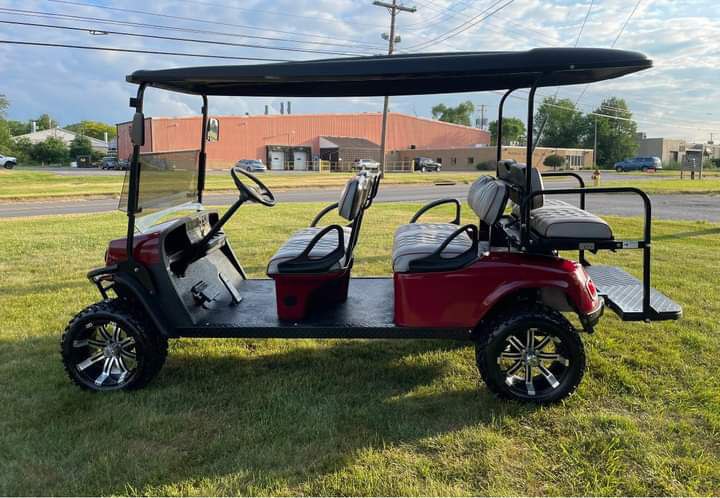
(640, 163)
(426, 164)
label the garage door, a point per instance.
(300, 160)
(277, 160)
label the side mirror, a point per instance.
(213, 130)
(137, 131)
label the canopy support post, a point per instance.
(525, 208)
(203, 155)
(134, 183)
(499, 129)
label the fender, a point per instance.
(461, 298)
(128, 288)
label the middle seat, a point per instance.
(448, 246)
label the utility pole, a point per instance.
(595, 146)
(482, 115)
(393, 8)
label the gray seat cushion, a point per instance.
(488, 200)
(549, 202)
(568, 222)
(418, 240)
(299, 241)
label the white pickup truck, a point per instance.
(7, 162)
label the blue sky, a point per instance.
(678, 98)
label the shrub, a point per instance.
(554, 161)
(485, 166)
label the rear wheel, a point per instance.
(423, 169)
(619, 169)
(533, 355)
(9, 165)
(109, 347)
(644, 169)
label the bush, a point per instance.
(554, 161)
(485, 166)
(80, 146)
(51, 151)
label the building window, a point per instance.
(454, 160)
(439, 160)
(471, 161)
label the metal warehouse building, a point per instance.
(293, 141)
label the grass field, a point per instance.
(29, 185)
(34, 185)
(352, 417)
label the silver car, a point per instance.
(251, 165)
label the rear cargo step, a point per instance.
(623, 293)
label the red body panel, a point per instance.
(146, 249)
(462, 297)
(297, 294)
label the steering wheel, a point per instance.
(258, 193)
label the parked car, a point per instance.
(251, 165)
(426, 164)
(7, 162)
(640, 163)
(123, 165)
(363, 164)
(109, 162)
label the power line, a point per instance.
(612, 45)
(173, 38)
(467, 25)
(136, 51)
(191, 19)
(53, 15)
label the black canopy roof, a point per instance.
(403, 74)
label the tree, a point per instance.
(22, 150)
(45, 122)
(554, 161)
(18, 127)
(4, 104)
(51, 151)
(563, 124)
(459, 115)
(513, 131)
(93, 129)
(80, 146)
(615, 137)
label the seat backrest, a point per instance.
(514, 173)
(353, 197)
(489, 200)
(476, 186)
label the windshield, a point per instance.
(167, 179)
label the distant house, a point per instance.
(66, 136)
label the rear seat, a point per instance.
(552, 218)
(446, 246)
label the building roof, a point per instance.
(401, 74)
(347, 143)
(61, 133)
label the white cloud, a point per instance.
(671, 99)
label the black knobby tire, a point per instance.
(141, 362)
(495, 343)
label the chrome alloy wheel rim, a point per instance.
(106, 356)
(535, 364)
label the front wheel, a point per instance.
(109, 347)
(619, 169)
(532, 355)
(9, 165)
(644, 169)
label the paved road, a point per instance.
(665, 206)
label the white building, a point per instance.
(66, 136)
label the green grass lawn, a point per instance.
(30, 185)
(352, 417)
(709, 185)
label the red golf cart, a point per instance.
(496, 280)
